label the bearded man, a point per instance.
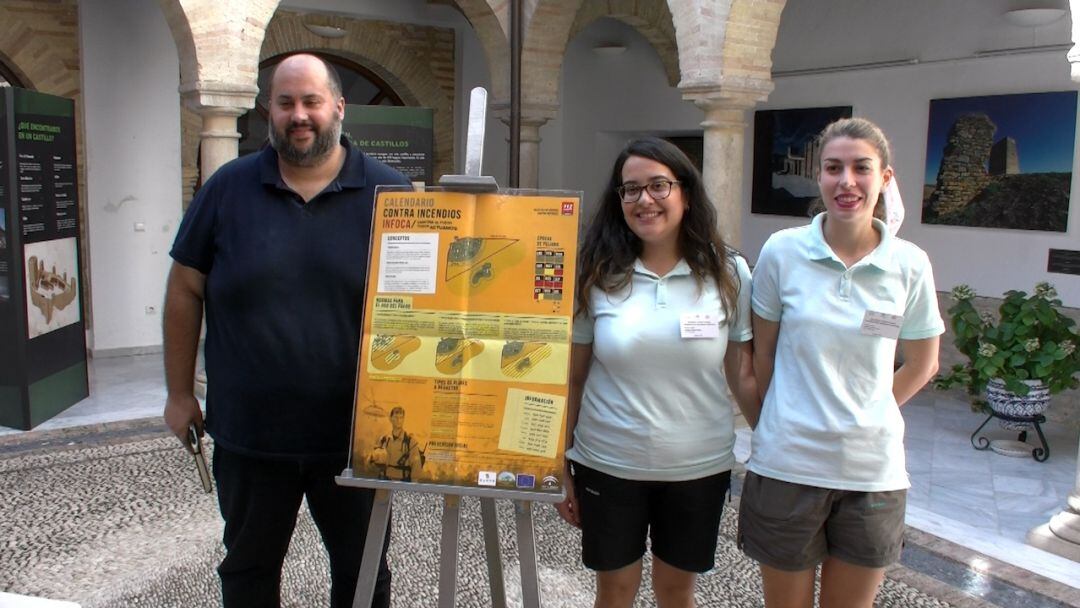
(275, 246)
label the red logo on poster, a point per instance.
(568, 208)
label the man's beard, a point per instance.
(324, 143)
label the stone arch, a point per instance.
(11, 69)
(218, 42)
(418, 62)
(752, 29)
(490, 19)
(700, 30)
(544, 47)
(190, 125)
(178, 23)
(651, 19)
(726, 43)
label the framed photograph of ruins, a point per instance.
(786, 157)
(1001, 161)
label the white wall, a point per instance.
(607, 99)
(991, 260)
(130, 75)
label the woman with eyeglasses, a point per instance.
(662, 315)
(827, 483)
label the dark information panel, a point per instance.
(398, 136)
(41, 307)
(1063, 261)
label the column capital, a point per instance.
(1074, 61)
(219, 97)
(532, 114)
(219, 104)
(731, 94)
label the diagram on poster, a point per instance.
(464, 358)
(387, 352)
(52, 285)
(472, 263)
(520, 358)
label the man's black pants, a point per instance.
(259, 500)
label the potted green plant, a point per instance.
(1019, 359)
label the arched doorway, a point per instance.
(8, 77)
(359, 85)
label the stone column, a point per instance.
(533, 116)
(727, 115)
(726, 119)
(1061, 535)
(1074, 52)
(219, 104)
(529, 173)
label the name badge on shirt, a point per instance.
(698, 325)
(881, 324)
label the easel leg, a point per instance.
(376, 534)
(530, 585)
(494, 556)
(448, 552)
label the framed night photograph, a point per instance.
(786, 155)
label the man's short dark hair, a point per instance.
(397, 409)
(333, 79)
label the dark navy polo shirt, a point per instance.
(284, 294)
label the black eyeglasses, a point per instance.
(658, 190)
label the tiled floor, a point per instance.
(1004, 495)
(978, 499)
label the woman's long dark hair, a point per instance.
(606, 258)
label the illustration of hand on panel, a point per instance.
(387, 352)
(452, 354)
(520, 358)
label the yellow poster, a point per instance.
(465, 350)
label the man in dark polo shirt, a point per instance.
(275, 246)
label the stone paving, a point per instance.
(122, 523)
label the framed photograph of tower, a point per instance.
(1000, 161)
(786, 158)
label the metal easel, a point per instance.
(451, 519)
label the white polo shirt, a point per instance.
(829, 418)
(656, 405)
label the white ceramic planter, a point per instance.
(1004, 401)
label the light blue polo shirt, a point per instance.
(656, 405)
(829, 418)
